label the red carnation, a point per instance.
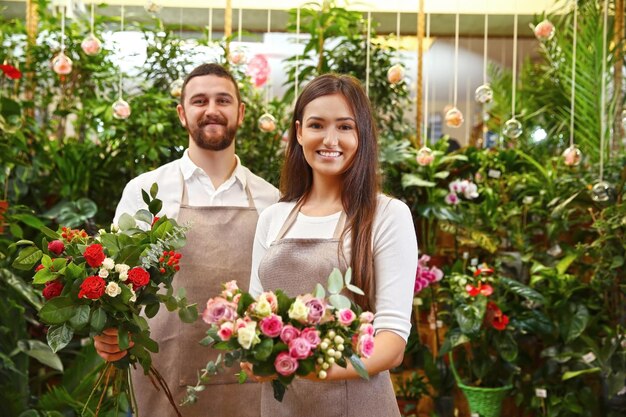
(92, 287)
(94, 255)
(52, 289)
(11, 72)
(56, 246)
(139, 277)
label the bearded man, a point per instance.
(220, 199)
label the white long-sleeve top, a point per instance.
(394, 251)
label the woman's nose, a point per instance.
(330, 139)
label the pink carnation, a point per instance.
(285, 364)
(288, 333)
(365, 346)
(226, 331)
(312, 336)
(346, 316)
(271, 325)
(219, 310)
(299, 348)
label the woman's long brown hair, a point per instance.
(361, 182)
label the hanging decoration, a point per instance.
(454, 117)
(209, 31)
(176, 86)
(484, 93)
(258, 69)
(238, 56)
(602, 191)
(396, 72)
(121, 108)
(544, 31)
(425, 155)
(152, 7)
(91, 45)
(267, 123)
(61, 63)
(512, 127)
(572, 156)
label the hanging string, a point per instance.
(239, 25)
(180, 23)
(456, 55)
(121, 30)
(398, 36)
(514, 63)
(269, 20)
(573, 93)
(92, 17)
(603, 92)
(62, 28)
(297, 74)
(426, 84)
(485, 47)
(367, 54)
(210, 29)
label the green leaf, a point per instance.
(44, 275)
(577, 323)
(319, 291)
(27, 258)
(123, 338)
(506, 345)
(574, 374)
(74, 272)
(188, 314)
(339, 301)
(263, 350)
(41, 352)
(279, 390)
(564, 263)
(57, 310)
(145, 196)
(30, 413)
(347, 278)
(50, 233)
(335, 282)
(80, 317)
(442, 174)
(29, 220)
(413, 180)
(151, 310)
(359, 366)
(145, 340)
(154, 190)
(144, 216)
(355, 289)
(617, 262)
(522, 290)
(59, 336)
(98, 320)
(126, 222)
(155, 206)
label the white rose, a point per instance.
(133, 296)
(263, 307)
(108, 264)
(113, 290)
(120, 268)
(298, 311)
(246, 336)
(103, 273)
(114, 228)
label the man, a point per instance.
(209, 189)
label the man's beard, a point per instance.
(215, 143)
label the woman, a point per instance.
(331, 215)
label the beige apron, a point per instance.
(218, 249)
(295, 266)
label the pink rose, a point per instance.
(239, 323)
(346, 316)
(230, 289)
(312, 336)
(271, 298)
(317, 308)
(288, 333)
(366, 329)
(299, 348)
(271, 325)
(285, 364)
(226, 331)
(236, 298)
(219, 310)
(366, 317)
(365, 346)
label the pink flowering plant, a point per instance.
(114, 279)
(287, 337)
(426, 275)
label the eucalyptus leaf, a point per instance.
(335, 281)
(126, 222)
(339, 301)
(355, 289)
(144, 216)
(319, 291)
(359, 366)
(188, 314)
(347, 278)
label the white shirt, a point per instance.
(200, 189)
(394, 251)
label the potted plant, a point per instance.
(409, 391)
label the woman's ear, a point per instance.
(299, 132)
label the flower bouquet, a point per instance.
(283, 337)
(111, 280)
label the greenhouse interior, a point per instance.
(143, 140)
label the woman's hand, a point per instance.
(247, 368)
(107, 345)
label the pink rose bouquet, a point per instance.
(114, 279)
(285, 337)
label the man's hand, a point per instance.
(107, 345)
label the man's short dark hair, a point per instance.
(210, 69)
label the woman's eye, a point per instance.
(345, 127)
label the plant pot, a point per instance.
(4, 206)
(407, 407)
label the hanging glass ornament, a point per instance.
(544, 31)
(267, 123)
(237, 57)
(603, 192)
(61, 64)
(484, 94)
(454, 117)
(121, 109)
(395, 74)
(572, 156)
(425, 156)
(176, 87)
(152, 7)
(512, 128)
(91, 45)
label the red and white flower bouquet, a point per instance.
(114, 279)
(285, 337)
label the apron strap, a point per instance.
(184, 199)
(291, 219)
